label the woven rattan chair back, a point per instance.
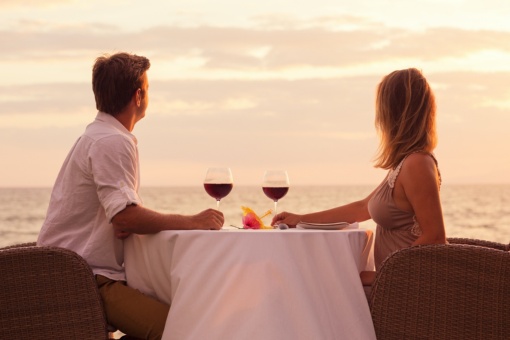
(439, 292)
(48, 293)
(476, 242)
(20, 245)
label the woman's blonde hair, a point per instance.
(405, 117)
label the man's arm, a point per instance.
(135, 219)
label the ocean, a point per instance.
(471, 211)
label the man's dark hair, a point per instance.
(115, 78)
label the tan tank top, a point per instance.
(396, 228)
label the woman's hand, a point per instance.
(288, 218)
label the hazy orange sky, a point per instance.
(256, 85)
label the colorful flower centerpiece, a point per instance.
(252, 221)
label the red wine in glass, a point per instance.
(275, 193)
(218, 191)
(275, 185)
(218, 183)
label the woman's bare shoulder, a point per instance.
(420, 158)
(419, 164)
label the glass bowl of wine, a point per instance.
(218, 183)
(275, 185)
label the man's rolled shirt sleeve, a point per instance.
(114, 162)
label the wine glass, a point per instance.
(218, 183)
(275, 185)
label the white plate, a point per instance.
(325, 226)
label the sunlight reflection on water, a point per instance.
(473, 211)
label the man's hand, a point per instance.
(207, 219)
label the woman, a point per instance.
(406, 206)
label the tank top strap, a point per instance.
(393, 174)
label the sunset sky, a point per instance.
(256, 85)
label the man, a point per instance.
(95, 202)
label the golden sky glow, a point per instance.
(264, 84)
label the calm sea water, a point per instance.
(481, 212)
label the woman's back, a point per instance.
(397, 226)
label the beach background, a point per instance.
(285, 84)
(472, 211)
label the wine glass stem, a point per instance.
(275, 207)
(218, 204)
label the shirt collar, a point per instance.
(111, 120)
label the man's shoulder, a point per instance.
(98, 131)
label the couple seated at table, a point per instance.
(94, 204)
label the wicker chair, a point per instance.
(476, 242)
(453, 291)
(48, 293)
(20, 245)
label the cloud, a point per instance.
(232, 48)
(64, 98)
(327, 42)
(301, 124)
(264, 104)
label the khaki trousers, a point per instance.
(130, 311)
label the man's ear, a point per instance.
(138, 95)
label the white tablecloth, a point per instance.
(255, 284)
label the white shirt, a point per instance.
(98, 179)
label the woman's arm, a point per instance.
(418, 184)
(352, 212)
